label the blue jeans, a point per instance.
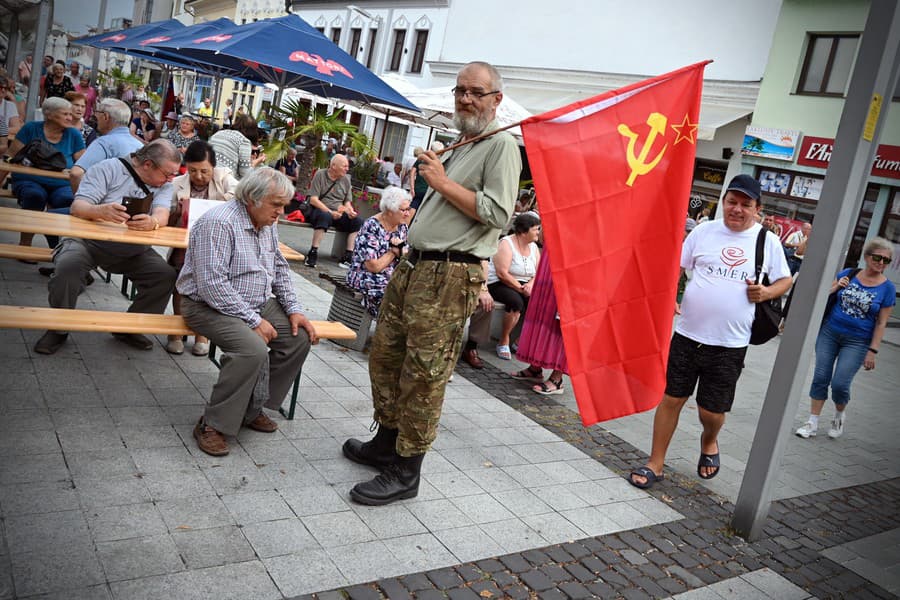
(34, 196)
(848, 352)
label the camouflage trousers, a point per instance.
(416, 345)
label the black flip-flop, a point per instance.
(709, 461)
(648, 474)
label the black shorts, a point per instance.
(718, 369)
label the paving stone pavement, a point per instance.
(103, 493)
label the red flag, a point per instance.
(169, 99)
(613, 178)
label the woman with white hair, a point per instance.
(856, 316)
(35, 192)
(379, 246)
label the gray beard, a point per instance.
(470, 125)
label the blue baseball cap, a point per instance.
(746, 185)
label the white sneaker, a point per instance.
(807, 431)
(837, 429)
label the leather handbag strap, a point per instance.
(760, 252)
(137, 179)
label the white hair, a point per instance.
(392, 198)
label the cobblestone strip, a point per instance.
(660, 560)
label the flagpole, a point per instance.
(478, 138)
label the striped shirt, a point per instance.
(234, 268)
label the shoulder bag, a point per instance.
(39, 154)
(305, 205)
(768, 313)
(832, 297)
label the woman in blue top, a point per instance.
(379, 246)
(850, 334)
(35, 192)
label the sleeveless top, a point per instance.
(520, 267)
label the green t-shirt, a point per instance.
(338, 194)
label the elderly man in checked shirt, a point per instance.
(231, 271)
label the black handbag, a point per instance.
(768, 313)
(39, 154)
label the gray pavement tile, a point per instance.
(276, 538)
(522, 502)
(420, 552)
(256, 507)
(737, 587)
(35, 532)
(703, 593)
(492, 479)
(592, 520)
(14, 400)
(241, 581)
(453, 484)
(141, 436)
(171, 485)
(528, 476)
(111, 523)
(235, 479)
(29, 441)
(304, 573)
(559, 497)
(94, 592)
(554, 528)
(338, 529)
(87, 398)
(327, 410)
(199, 512)
(464, 459)
(437, 464)
(25, 420)
(658, 512)
(318, 448)
(346, 427)
(439, 514)
(138, 416)
(186, 396)
(626, 516)
(606, 491)
(40, 497)
(61, 569)
(447, 440)
(125, 396)
(316, 499)
(393, 520)
(149, 460)
(82, 417)
(87, 438)
(291, 476)
(561, 472)
(183, 414)
(469, 543)
(365, 561)
(20, 378)
(774, 585)
(276, 451)
(213, 547)
(513, 535)
(115, 490)
(251, 436)
(139, 557)
(482, 508)
(98, 464)
(341, 470)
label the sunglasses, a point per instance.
(880, 259)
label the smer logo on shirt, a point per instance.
(731, 258)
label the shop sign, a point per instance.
(764, 142)
(816, 152)
(709, 175)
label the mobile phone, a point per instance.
(136, 206)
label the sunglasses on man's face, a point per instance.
(880, 259)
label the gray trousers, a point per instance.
(74, 258)
(480, 327)
(231, 402)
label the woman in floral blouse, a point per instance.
(379, 245)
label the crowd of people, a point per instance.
(454, 236)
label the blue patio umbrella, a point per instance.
(111, 40)
(286, 52)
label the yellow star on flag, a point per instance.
(685, 130)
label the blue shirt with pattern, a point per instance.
(856, 311)
(234, 268)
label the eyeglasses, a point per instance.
(463, 92)
(880, 259)
(407, 209)
(168, 175)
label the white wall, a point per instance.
(611, 36)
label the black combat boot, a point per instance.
(398, 481)
(377, 452)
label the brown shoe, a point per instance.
(471, 357)
(263, 423)
(209, 440)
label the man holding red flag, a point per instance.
(717, 313)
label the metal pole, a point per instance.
(874, 79)
(45, 15)
(101, 25)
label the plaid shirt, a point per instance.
(233, 268)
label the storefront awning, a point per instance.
(713, 116)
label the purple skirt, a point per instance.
(541, 342)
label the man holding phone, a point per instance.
(147, 172)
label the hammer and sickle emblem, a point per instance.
(638, 163)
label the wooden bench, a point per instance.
(64, 319)
(26, 253)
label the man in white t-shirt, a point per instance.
(712, 334)
(798, 241)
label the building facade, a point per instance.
(789, 143)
